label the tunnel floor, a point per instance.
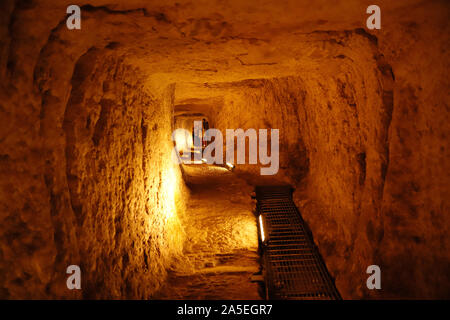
(221, 251)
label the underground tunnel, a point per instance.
(92, 119)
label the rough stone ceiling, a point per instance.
(212, 41)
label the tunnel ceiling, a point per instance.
(211, 42)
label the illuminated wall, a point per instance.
(113, 197)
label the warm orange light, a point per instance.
(168, 189)
(181, 138)
(261, 228)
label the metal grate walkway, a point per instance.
(293, 267)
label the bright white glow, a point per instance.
(204, 160)
(197, 162)
(261, 228)
(230, 165)
(181, 137)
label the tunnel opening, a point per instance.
(255, 103)
(89, 173)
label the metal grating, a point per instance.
(293, 267)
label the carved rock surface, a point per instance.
(86, 118)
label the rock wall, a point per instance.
(87, 177)
(415, 206)
(124, 190)
(352, 164)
